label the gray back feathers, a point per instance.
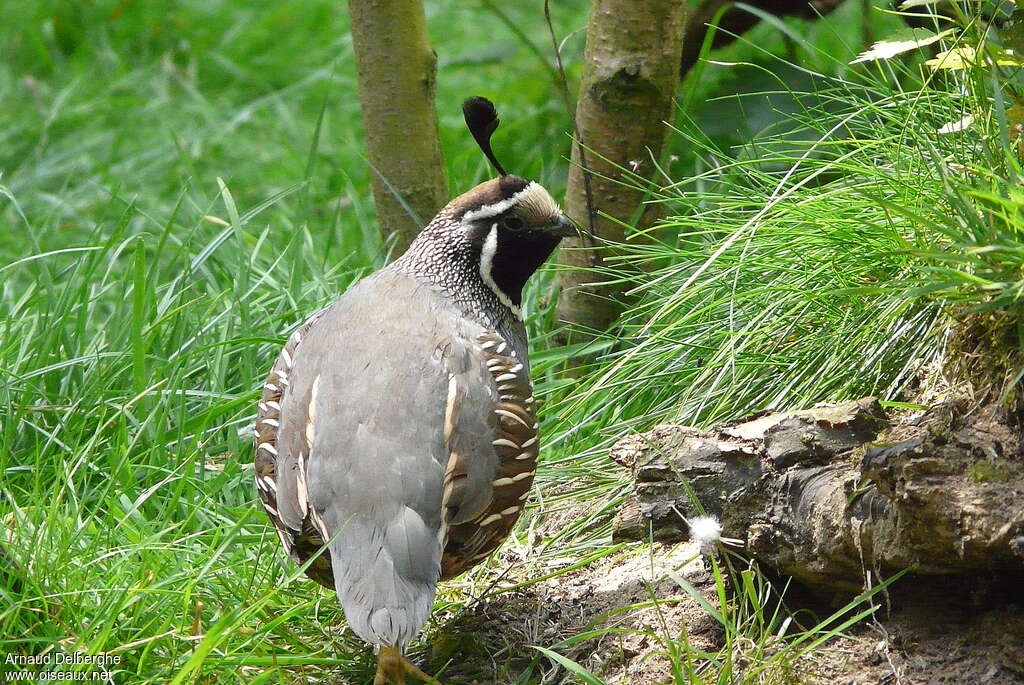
(362, 451)
(397, 428)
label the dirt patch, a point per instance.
(940, 641)
(944, 631)
(609, 601)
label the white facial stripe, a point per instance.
(488, 211)
(534, 198)
(487, 263)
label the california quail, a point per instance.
(398, 424)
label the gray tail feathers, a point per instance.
(381, 606)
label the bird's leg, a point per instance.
(392, 668)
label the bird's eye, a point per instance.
(513, 223)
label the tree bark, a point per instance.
(630, 74)
(828, 494)
(396, 71)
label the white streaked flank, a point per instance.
(311, 413)
(449, 408)
(511, 415)
(301, 491)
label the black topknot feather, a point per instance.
(482, 120)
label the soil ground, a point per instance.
(933, 632)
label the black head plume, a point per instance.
(482, 120)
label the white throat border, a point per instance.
(487, 253)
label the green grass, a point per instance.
(834, 257)
(182, 183)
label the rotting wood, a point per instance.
(829, 493)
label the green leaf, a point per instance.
(573, 667)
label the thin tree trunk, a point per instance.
(397, 74)
(630, 74)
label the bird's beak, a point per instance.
(565, 228)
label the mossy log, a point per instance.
(831, 493)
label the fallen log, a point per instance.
(830, 493)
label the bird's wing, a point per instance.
(279, 486)
(361, 449)
(490, 431)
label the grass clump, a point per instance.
(832, 258)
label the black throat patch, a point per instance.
(517, 255)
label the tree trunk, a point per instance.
(828, 494)
(397, 74)
(630, 74)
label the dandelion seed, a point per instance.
(706, 531)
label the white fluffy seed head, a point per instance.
(705, 530)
